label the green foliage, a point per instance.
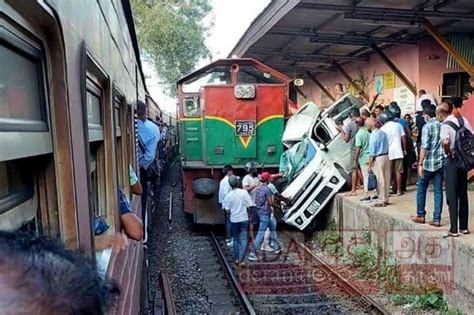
(329, 239)
(172, 34)
(423, 299)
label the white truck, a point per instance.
(329, 168)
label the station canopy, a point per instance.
(297, 36)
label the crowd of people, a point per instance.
(385, 148)
(248, 206)
(382, 144)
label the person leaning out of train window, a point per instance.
(131, 224)
(135, 185)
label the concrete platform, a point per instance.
(419, 249)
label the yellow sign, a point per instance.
(388, 80)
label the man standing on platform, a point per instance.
(456, 177)
(348, 135)
(430, 168)
(362, 153)
(378, 159)
(396, 149)
(148, 136)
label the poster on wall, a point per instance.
(405, 99)
(378, 84)
(389, 80)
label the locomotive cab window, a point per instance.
(219, 75)
(250, 74)
(192, 106)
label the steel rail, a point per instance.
(350, 288)
(168, 295)
(248, 308)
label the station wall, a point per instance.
(423, 64)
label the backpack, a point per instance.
(463, 145)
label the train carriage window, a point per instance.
(25, 138)
(119, 142)
(94, 100)
(251, 74)
(20, 87)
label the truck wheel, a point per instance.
(346, 176)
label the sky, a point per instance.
(231, 20)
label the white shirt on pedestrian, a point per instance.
(237, 201)
(224, 188)
(249, 180)
(429, 97)
(447, 132)
(395, 132)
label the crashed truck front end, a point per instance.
(311, 190)
(328, 170)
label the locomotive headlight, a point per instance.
(244, 91)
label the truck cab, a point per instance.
(329, 170)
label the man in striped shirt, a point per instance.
(430, 168)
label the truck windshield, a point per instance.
(215, 75)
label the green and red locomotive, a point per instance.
(231, 111)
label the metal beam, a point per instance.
(394, 68)
(334, 38)
(386, 11)
(325, 57)
(316, 81)
(351, 81)
(301, 92)
(442, 4)
(449, 48)
(306, 57)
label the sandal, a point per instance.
(350, 194)
(451, 235)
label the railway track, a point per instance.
(293, 282)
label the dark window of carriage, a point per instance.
(22, 85)
(252, 75)
(94, 99)
(16, 183)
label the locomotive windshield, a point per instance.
(251, 74)
(215, 75)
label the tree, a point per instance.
(171, 33)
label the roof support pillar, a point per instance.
(351, 81)
(394, 68)
(301, 92)
(448, 47)
(316, 81)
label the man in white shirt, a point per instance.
(236, 202)
(224, 189)
(250, 184)
(396, 150)
(422, 95)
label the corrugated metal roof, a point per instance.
(346, 28)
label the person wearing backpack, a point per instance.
(458, 144)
